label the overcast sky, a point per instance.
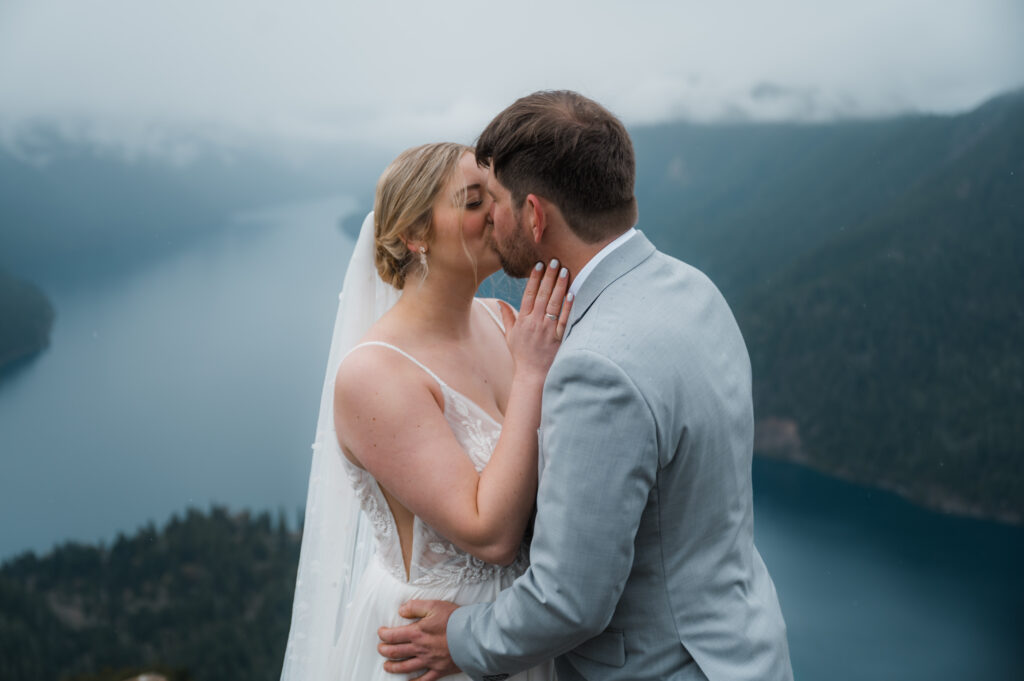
(418, 71)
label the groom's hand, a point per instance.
(422, 645)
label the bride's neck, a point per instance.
(437, 306)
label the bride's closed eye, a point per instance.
(469, 197)
(472, 196)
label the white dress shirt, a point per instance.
(578, 280)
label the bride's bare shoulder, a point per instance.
(374, 366)
(378, 371)
(377, 393)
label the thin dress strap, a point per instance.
(400, 351)
(494, 315)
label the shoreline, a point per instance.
(779, 440)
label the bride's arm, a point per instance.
(395, 429)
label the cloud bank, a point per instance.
(399, 72)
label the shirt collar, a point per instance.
(577, 281)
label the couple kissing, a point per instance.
(559, 491)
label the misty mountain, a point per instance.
(877, 272)
(71, 211)
(705, 190)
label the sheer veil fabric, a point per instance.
(337, 539)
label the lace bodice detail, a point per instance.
(435, 560)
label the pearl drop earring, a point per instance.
(423, 256)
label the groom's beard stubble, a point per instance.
(518, 254)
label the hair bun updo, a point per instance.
(403, 207)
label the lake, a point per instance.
(191, 381)
(196, 380)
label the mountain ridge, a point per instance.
(869, 362)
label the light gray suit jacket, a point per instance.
(643, 563)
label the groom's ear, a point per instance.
(537, 217)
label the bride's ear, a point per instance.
(416, 247)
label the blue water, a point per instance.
(196, 380)
(873, 587)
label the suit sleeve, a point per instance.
(599, 444)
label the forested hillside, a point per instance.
(877, 272)
(205, 598)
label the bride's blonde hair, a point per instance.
(403, 208)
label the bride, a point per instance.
(427, 439)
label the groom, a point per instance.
(643, 563)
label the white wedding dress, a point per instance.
(438, 570)
(351, 578)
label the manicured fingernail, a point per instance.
(554, 263)
(563, 274)
(569, 298)
(539, 266)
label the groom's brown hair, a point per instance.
(570, 150)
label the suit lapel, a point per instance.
(623, 259)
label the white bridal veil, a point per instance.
(337, 537)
